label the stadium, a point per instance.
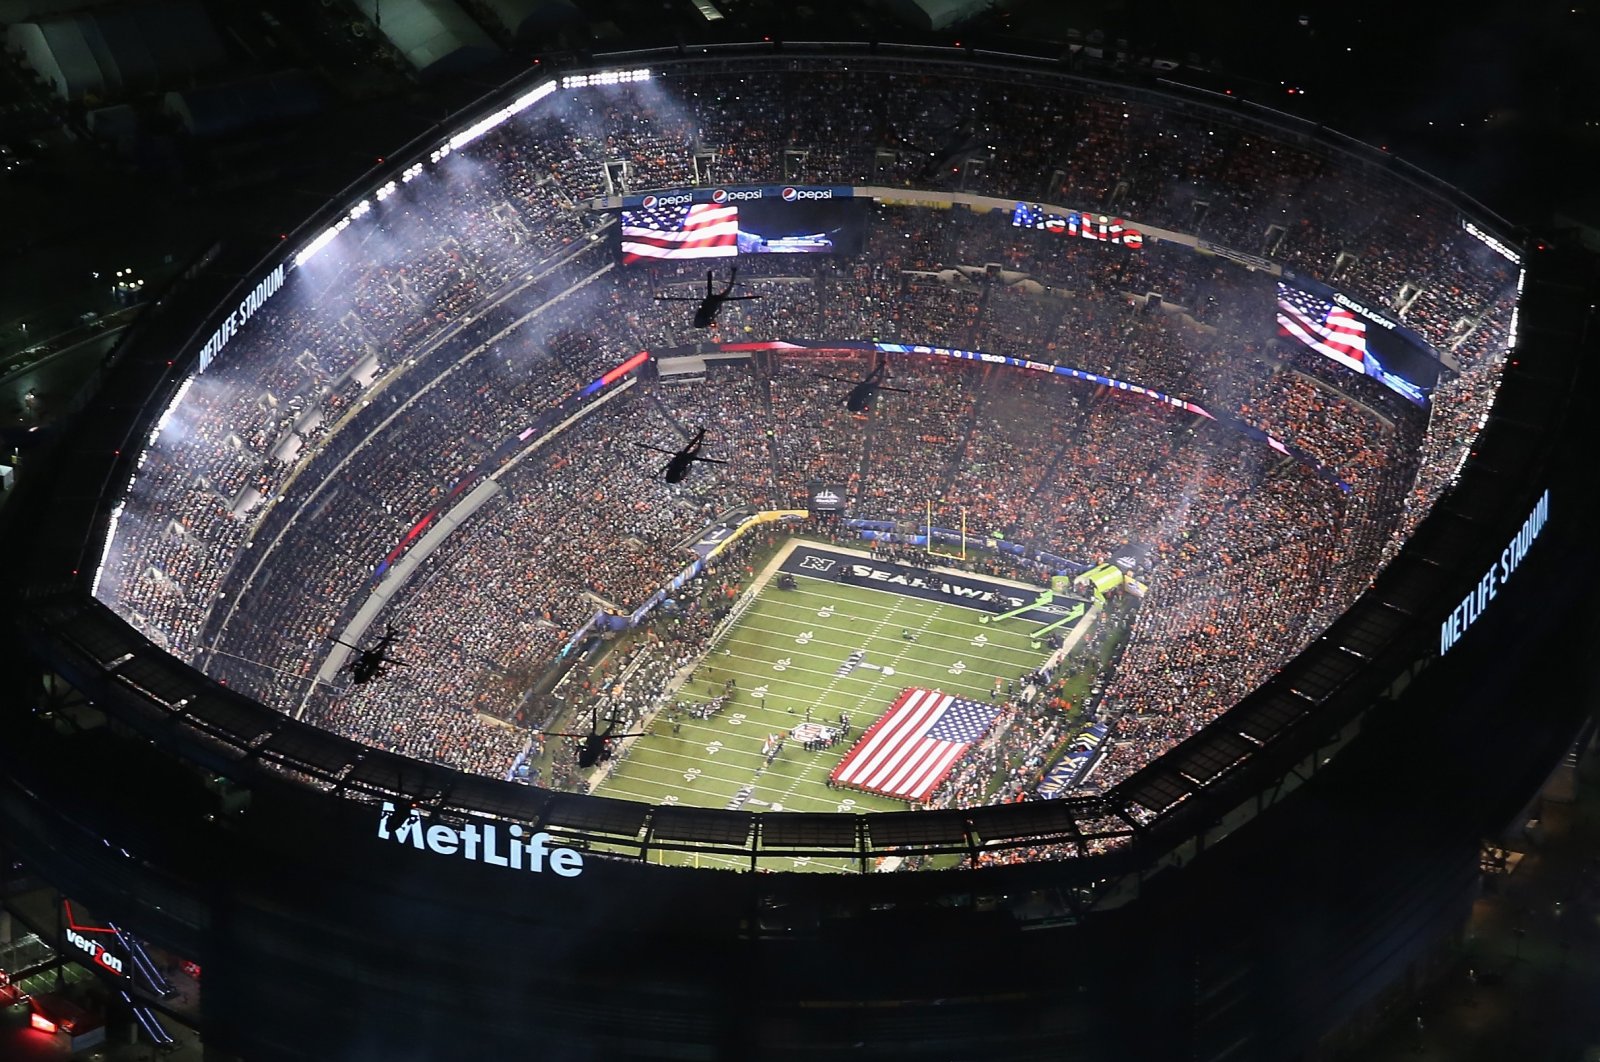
(1129, 519)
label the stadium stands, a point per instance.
(483, 299)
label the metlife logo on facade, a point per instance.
(480, 842)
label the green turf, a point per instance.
(784, 653)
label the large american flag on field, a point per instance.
(704, 230)
(908, 752)
(1325, 327)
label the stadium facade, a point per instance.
(1251, 893)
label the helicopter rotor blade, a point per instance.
(657, 449)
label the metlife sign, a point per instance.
(1478, 598)
(265, 288)
(480, 842)
(727, 195)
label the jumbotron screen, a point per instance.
(1359, 339)
(678, 231)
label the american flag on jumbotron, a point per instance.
(1325, 327)
(908, 752)
(704, 230)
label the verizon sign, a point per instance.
(95, 950)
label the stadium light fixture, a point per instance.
(483, 125)
(326, 236)
(605, 77)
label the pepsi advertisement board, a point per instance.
(729, 196)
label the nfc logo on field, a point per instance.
(816, 564)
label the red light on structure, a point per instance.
(42, 1023)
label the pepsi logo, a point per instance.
(720, 195)
(648, 202)
(790, 194)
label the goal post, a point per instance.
(932, 543)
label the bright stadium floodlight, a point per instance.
(386, 191)
(1490, 242)
(326, 236)
(177, 399)
(411, 173)
(105, 550)
(483, 125)
(605, 77)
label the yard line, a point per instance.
(993, 644)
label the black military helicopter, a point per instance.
(596, 743)
(860, 396)
(370, 663)
(706, 313)
(678, 467)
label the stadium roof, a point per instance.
(522, 17)
(937, 14)
(121, 50)
(212, 110)
(435, 36)
(24, 10)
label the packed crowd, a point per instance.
(399, 369)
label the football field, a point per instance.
(809, 655)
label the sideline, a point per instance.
(680, 678)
